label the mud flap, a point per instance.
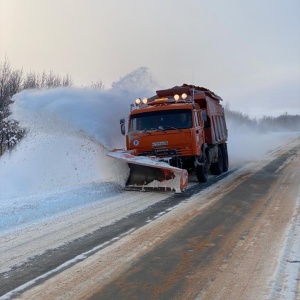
(148, 173)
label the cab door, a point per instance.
(198, 132)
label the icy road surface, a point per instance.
(67, 228)
(236, 238)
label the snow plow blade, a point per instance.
(150, 174)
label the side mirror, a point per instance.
(122, 124)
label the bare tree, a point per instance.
(67, 80)
(98, 85)
(34, 80)
(10, 84)
(31, 81)
(239, 117)
(43, 79)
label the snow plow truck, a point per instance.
(179, 131)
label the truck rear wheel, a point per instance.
(216, 168)
(225, 157)
(201, 170)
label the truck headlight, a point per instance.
(138, 101)
(184, 96)
(176, 97)
(145, 100)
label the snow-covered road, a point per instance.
(59, 229)
(26, 248)
(61, 196)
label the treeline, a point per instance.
(13, 81)
(284, 122)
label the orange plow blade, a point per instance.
(148, 173)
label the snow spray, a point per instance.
(69, 131)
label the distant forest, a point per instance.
(13, 81)
(284, 122)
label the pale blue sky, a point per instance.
(247, 51)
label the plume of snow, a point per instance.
(247, 143)
(70, 131)
(138, 81)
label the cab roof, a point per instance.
(189, 90)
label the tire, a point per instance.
(225, 158)
(217, 167)
(201, 170)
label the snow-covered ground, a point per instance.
(16, 246)
(287, 277)
(61, 166)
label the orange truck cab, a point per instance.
(183, 126)
(178, 131)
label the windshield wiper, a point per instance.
(160, 128)
(146, 130)
(171, 127)
(156, 129)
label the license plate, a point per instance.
(156, 144)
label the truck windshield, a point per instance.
(161, 120)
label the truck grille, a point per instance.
(165, 152)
